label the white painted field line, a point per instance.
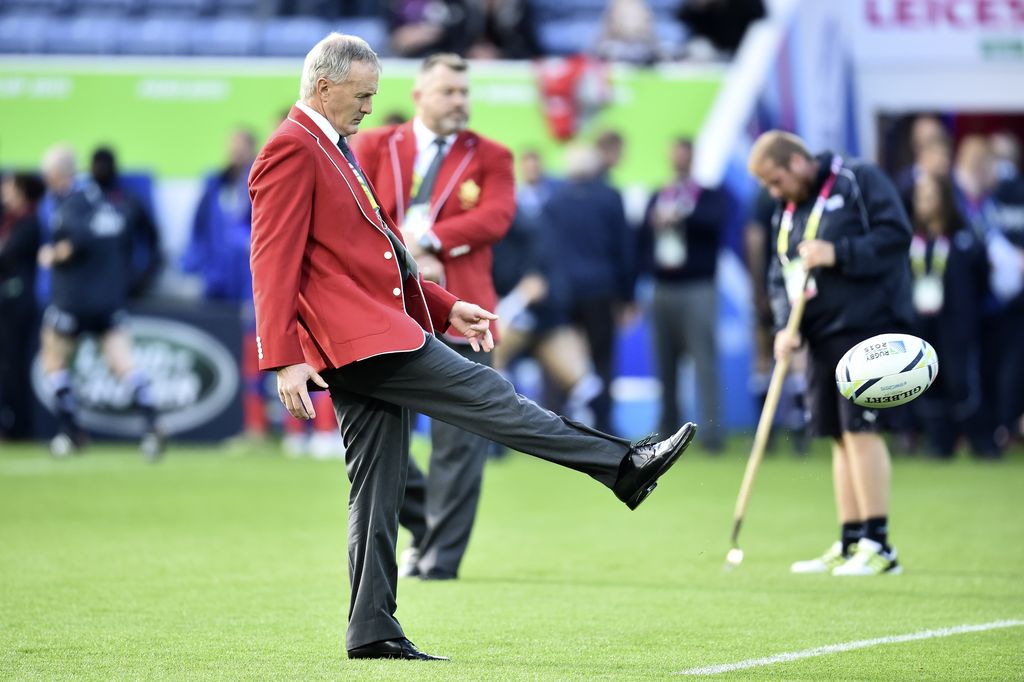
(847, 646)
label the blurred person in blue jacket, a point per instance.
(585, 229)
(534, 296)
(218, 251)
(678, 246)
(90, 262)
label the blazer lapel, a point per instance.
(347, 176)
(402, 157)
(452, 169)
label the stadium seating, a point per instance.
(226, 36)
(255, 27)
(47, 7)
(108, 7)
(23, 33)
(179, 7)
(157, 36)
(87, 34)
(292, 36)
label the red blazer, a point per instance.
(327, 287)
(472, 204)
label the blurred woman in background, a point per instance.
(19, 243)
(950, 269)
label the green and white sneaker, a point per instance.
(870, 558)
(826, 563)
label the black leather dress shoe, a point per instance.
(393, 648)
(437, 574)
(646, 461)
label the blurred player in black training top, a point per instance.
(90, 257)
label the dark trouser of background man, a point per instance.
(440, 506)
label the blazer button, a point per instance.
(396, 291)
(387, 255)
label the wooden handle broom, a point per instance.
(764, 427)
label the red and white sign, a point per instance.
(937, 31)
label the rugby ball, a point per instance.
(887, 370)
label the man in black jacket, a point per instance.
(90, 260)
(843, 222)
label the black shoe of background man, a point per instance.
(393, 648)
(646, 462)
(437, 574)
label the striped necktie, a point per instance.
(405, 260)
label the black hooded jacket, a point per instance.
(869, 287)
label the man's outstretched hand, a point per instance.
(291, 389)
(474, 323)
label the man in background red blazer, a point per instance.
(340, 305)
(452, 191)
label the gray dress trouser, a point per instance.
(685, 320)
(374, 399)
(440, 507)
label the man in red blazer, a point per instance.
(341, 305)
(452, 191)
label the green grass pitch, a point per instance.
(211, 566)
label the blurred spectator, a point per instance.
(1006, 150)
(533, 310)
(679, 247)
(90, 258)
(627, 33)
(933, 157)
(589, 236)
(1009, 220)
(722, 23)
(218, 249)
(146, 257)
(975, 179)
(19, 243)
(422, 27)
(507, 31)
(536, 187)
(949, 267)
(610, 146)
(218, 252)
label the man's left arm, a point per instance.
(488, 221)
(888, 234)
(439, 304)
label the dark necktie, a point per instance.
(426, 187)
(406, 262)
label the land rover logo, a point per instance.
(194, 378)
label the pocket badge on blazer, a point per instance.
(469, 194)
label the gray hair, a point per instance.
(332, 58)
(59, 161)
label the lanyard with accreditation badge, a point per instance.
(792, 269)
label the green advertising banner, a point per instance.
(171, 116)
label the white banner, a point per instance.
(937, 31)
